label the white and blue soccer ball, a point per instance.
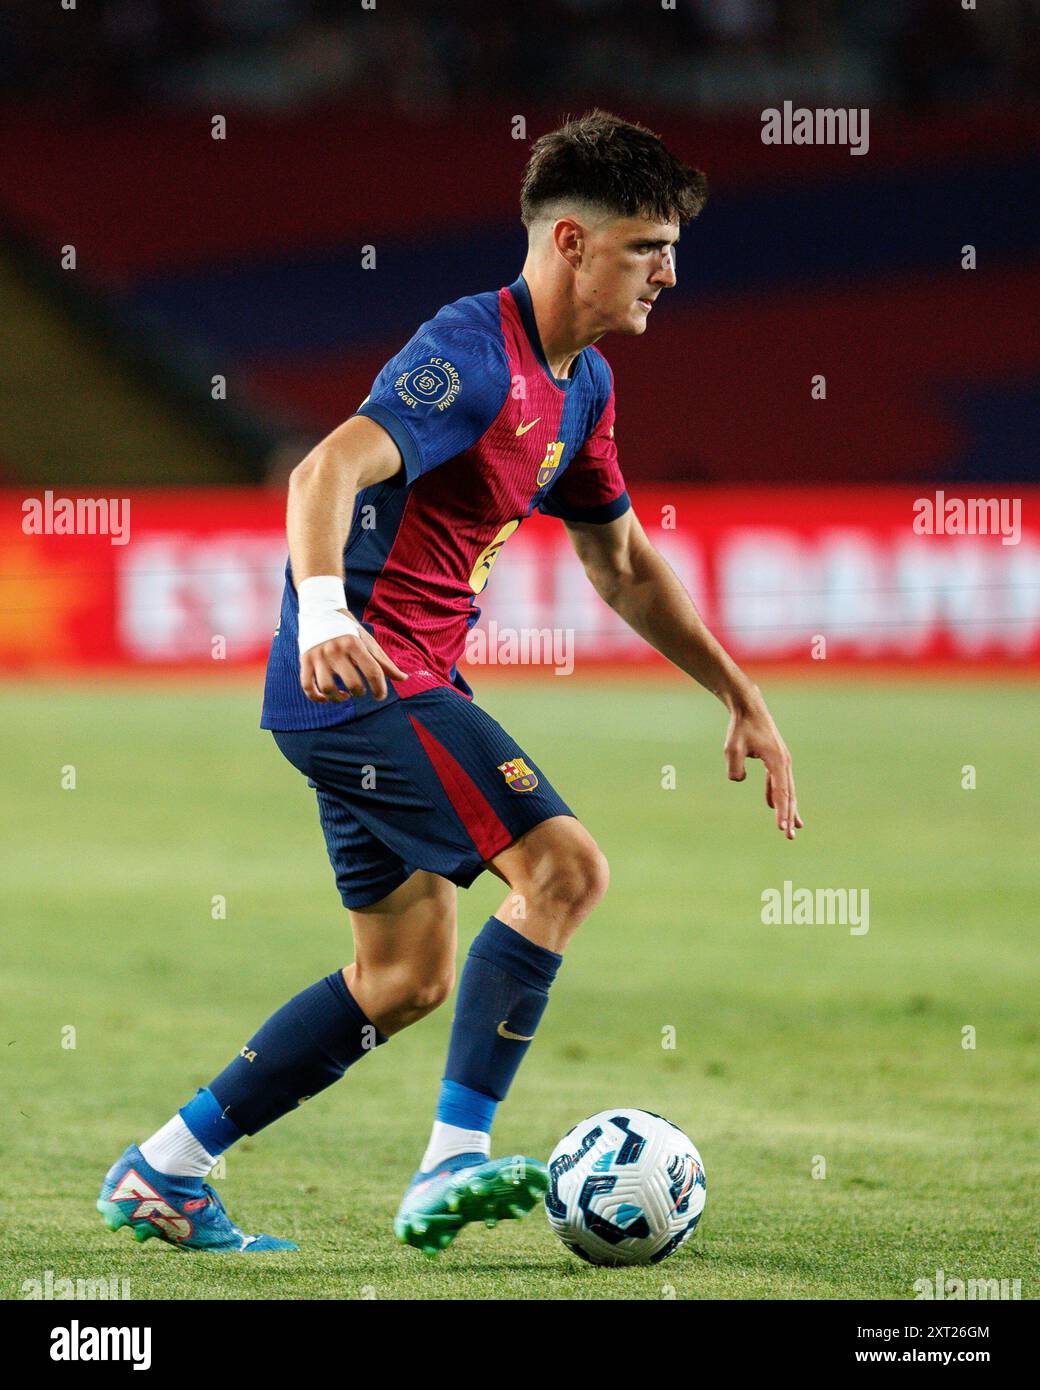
(626, 1187)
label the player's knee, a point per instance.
(401, 994)
(573, 874)
(419, 995)
(590, 878)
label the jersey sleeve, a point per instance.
(591, 488)
(439, 395)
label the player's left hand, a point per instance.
(752, 734)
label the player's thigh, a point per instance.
(496, 789)
(430, 783)
(412, 932)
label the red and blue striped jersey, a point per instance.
(487, 435)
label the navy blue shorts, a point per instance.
(431, 782)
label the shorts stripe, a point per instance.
(473, 809)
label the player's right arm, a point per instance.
(322, 490)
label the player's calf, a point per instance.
(557, 874)
(302, 1049)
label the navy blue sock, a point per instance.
(303, 1048)
(502, 995)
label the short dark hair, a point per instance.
(620, 165)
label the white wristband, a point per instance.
(320, 598)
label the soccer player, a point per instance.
(499, 404)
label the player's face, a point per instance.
(628, 262)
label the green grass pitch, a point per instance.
(790, 1042)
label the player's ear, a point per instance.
(569, 238)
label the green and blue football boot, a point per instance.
(465, 1188)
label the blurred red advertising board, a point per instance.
(192, 579)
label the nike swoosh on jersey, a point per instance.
(522, 428)
(503, 1032)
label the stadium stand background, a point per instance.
(392, 128)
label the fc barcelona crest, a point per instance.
(551, 462)
(518, 775)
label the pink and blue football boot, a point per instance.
(183, 1211)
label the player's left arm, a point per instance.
(636, 581)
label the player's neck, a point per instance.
(563, 326)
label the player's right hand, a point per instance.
(752, 734)
(355, 658)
